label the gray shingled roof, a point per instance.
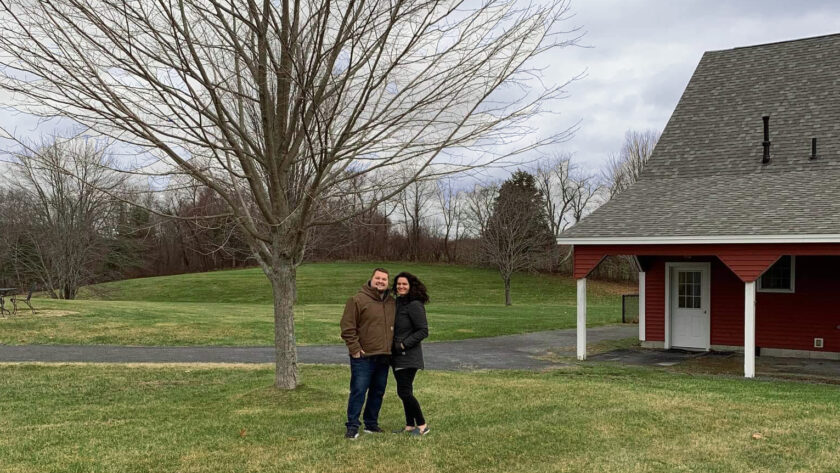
(705, 176)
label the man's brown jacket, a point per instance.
(368, 322)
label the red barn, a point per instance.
(735, 221)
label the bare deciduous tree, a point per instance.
(366, 234)
(199, 243)
(478, 207)
(13, 208)
(553, 179)
(67, 214)
(275, 104)
(450, 202)
(625, 168)
(414, 202)
(569, 194)
(582, 191)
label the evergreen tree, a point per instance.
(517, 236)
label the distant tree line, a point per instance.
(64, 229)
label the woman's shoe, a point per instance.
(419, 432)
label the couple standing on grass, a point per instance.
(383, 332)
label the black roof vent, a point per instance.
(765, 158)
(813, 148)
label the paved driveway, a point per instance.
(506, 352)
(728, 363)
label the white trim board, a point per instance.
(642, 326)
(581, 319)
(749, 329)
(700, 240)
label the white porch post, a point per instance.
(581, 319)
(749, 329)
(641, 306)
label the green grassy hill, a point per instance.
(234, 307)
(333, 283)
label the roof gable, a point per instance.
(716, 127)
(705, 176)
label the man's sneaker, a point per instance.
(374, 430)
(352, 433)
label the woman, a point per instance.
(410, 327)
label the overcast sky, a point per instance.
(641, 54)
(637, 57)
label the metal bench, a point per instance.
(26, 301)
(3, 292)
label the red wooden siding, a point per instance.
(747, 264)
(727, 301)
(585, 260)
(655, 300)
(792, 321)
(727, 306)
(783, 320)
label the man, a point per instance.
(367, 327)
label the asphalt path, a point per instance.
(521, 352)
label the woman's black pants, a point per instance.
(405, 390)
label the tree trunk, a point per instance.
(455, 249)
(507, 291)
(446, 248)
(284, 284)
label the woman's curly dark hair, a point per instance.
(416, 289)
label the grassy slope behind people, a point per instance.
(234, 307)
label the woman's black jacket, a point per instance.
(410, 327)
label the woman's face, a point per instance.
(402, 286)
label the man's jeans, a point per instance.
(368, 376)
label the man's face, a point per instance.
(379, 281)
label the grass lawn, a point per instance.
(189, 418)
(234, 307)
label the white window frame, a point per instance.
(792, 289)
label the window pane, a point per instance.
(689, 295)
(778, 276)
